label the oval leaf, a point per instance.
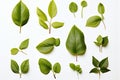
(44, 65)
(95, 62)
(43, 24)
(101, 8)
(83, 3)
(75, 43)
(14, 66)
(104, 63)
(57, 42)
(57, 24)
(72, 66)
(93, 21)
(25, 66)
(24, 44)
(14, 51)
(73, 7)
(57, 68)
(52, 9)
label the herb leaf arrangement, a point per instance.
(22, 69)
(75, 42)
(43, 20)
(23, 45)
(83, 4)
(100, 66)
(101, 42)
(45, 67)
(20, 14)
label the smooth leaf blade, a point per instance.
(57, 42)
(101, 8)
(95, 62)
(84, 4)
(24, 44)
(43, 24)
(95, 70)
(72, 66)
(104, 63)
(57, 24)
(105, 41)
(14, 66)
(25, 66)
(73, 7)
(14, 51)
(57, 68)
(104, 70)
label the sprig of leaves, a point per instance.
(45, 67)
(83, 4)
(47, 45)
(22, 69)
(23, 45)
(43, 20)
(101, 42)
(100, 66)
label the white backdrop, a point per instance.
(10, 37)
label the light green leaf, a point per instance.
(41, 14)
(104, 70)
(52, 9)
(57, 42)
(95, 70)
(84, 3)
(43, 24)
(99, 39)
(72, 66)
(104, 63)
(57, 24)
(93, 21)
(14, 66)
(14, 51)
(105, 41)
(24, 44)
(101, 8)
(73, 7)
(57, 68)
(25, 66)
(95, 62)
(44, 65)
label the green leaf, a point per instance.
(101, 8)
(84, 3)
(95, 70)
(14, 51)
(57, 24)
(75, 43)
(41, 14)
(98, 44)
(43, 24)
(72, 66)
(14, 66)
(78, 69)
(57, 42)
(99, 39)
(25, 66)
(24, 44)
(73, 7)
(105, 41)
(104, 63)
(52, 9)
(93, 21)
(57, 68)
(44, 65)
(95, 62)
(104, 70)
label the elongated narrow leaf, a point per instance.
(57, 24)
(44, 65)
(72, 66)
(57, 68)
(93, 21)
(101, 8)
(75, 43)
(83, 3)
(25, 66)
(14, 51)
(24, 44)
(73, 7)
(41, 14)
(43, 24)
(104, 63)
(95, 70)
(52, 9)
(104, 70)
(95, 62)
(14, 66)
(105, 41)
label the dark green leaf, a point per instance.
(14, 66)
(93, 21)
(73, 7)
(78, 69)
(25, 66)
(101, 8)
(57, 24)
(14, 51)
(43, 24)
(84, 3)
(57, 68)
(44, 65)
(95, 70)
(104, 70)
(104, 63)
(24, 44)
(105, 41)
(72, 66)
(57, 42)
(95, 62)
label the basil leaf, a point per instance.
(93, 21)
(95, 70)
(14, 51)
(72, 66)
(52, 9)
(25, 66)
(24, 44)
(43, 24)
(84, 3)
(20, 14)
(44, 65)
(78, 69)
(95, 62)
(101, 8)
(41, 14)
(57, 42)
(57, 24)
(14, 66)
(104, 63)
(104, 70)
(73, 7)
(105, 41)
(57, 68)
(99, 39)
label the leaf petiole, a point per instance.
(100, 48)
(50, 25)
(23, 52)
(104, 24)
(54, 75)
(82, 13)
(20, 75)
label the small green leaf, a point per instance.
(84, 3)
(14, 51)
(95, 62)
(41, 14)
(44, 65)
(104, 63)
(98, 44)
(73, 7)
(101, 8)
(93, 21)
(57, 42)
(14, 66)
(43, 24)
(57, 68)
(99, 39)
(78, 69)
(104, 70)
(52, 9)
(105, 41)
(24, 44)
(25, 66)
(57, 24)
(72, 66)
(95, 70)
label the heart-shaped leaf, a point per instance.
(95, 62)
(14, 51)
(14, 66)
(57, 68)
(24, 44)
(57, 24)
(104, 63)
(25, 66)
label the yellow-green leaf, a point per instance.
(14, 51)
(14, 66)
(24, 44)
(25, 66)
(57, 68)
(57, 24)
(43, 24)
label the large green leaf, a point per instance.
(14, 51)
(57, 68)
(95, 62)
(52, 9)
(25, 66)
(75, 43)
(73, 7)
(104, 63)
(101, 8)
(44, 65)
(14, 66)
(24, 44)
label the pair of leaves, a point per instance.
(75, 42)
(47, 45)
(100, 66)
(52, 11)
(45, 67)
(23, 69)
(24, 45)
(20, 14)
(75, 67)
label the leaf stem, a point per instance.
(76, 57)
(50, 26)
(20, 30)
(104, 24)
(99, 75)
(20, 75)
(74, 15)
(23, 52)
(100, 48)
(82, 13)
(54, 75)
(78, 75)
